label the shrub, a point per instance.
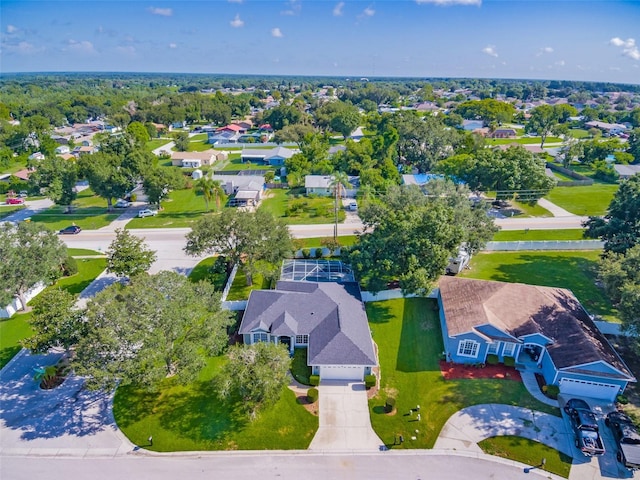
(551, 391)
(306, 253)
(134, 197)
(70, 266)
(312, 395)
(318, 253)
(390, 404)
(314, 380)
(622, 399)
(492, 359)
(509, 362)
(369, 381)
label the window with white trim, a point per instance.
(493, 348)
(260, 337)
(302, 339)
(468, 348)
(509, 348)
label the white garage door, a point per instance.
(604, 391)
(341, 372)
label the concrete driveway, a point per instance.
(344, 419)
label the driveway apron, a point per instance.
(344, 418)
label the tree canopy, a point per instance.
(241, 237)
(30, 254)
(620, 227)
(155, 327)
(128, 255)
(410, 236)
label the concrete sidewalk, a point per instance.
(555, 210)
(344, 419)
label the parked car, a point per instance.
(147, 212)
(23, 194)
(122, 203)
(353, 206)
(14, 201)
(70, 230)
(627, 438)
(585, 427)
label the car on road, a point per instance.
(147, 212)
(70, 230)
(353, 206)
(122, 203)
(14, 201)
(23, 194)
(585, 427)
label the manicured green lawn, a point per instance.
(90, 214)
(522, 141)
(240, 290)
(14, 329)
(528, 452)
(345, 241)
(296, 209)
(156, 143)
(409, 339)
(579, 133)
(191, 417)
(181, 209)
(299, 368)
(562, 177)
(198, 145)
(588, 200)
(532, 210)
(575, 270)
(81, 252)
(522, 235)
(202, 271)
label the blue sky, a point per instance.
(566, 40)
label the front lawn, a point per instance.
(240, 290)
(191, 417)
(299, 368)
(528, 452)
(181, 209)
(151, 145)
(297, 209)
(537, 235)
(344, 241)
(407, 333)
(575, 270)
(90, 213)
(205, 271)
(529, 210)
(587, 200)
(16, 328)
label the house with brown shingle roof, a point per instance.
(542, 328)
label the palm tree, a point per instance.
(339, 181)
(211, 189)
(217, 192)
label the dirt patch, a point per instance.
(454, 371)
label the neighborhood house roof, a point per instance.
(518, 310)
(627, 170)
(331, 314)
(267, 153)
(206, 155)
(324, 181)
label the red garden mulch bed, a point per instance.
(454, 371)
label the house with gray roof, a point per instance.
(246, 190)
(544, 329)
(268, 156)
(328, 318)
(626, 171)
(321, 185)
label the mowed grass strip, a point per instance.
(528, 452)
(179, 210)
(192, 417)
(586, 200)
(296, 209)
(538, 235)
(575, 270)
(16, 328)
(409, 339)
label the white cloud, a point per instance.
(337, 10)
(163, 12)
(173, 45)
(368, 12)
(237, 22)
(82, 46)
(21, 48)
(11, 29)
(446, 3)
(490, 50)
(294, 8)
(544, 50)
(629, 47)
(560, 63)
(129, 50)
(276, 32)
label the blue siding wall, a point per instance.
(453, 348)
(535, 338)
(548, 369)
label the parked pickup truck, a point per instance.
(627, 437)
(585, 427)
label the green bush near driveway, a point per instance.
(575, 270)
(409, 339)
(528, 452)
(192, 417)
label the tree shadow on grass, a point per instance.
(379, 312)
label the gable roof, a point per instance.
(267, 153)
(519, 309)
(331, 314)
(324, 181)
(204, 155)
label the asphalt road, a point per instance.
(413, 465)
